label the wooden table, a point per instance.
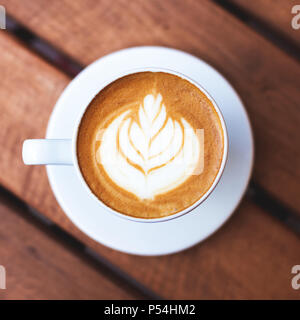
(46, 43)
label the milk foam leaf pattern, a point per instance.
(155, 138)
(147, 151)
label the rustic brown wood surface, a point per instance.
(239, 261)
(40, 267)
(266, 78)
(277, 14)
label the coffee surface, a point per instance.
(150, 144)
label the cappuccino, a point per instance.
(150, 144)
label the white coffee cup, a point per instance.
(64, 151)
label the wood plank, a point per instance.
(250, 257)
(275, 13)
(38, 266)
(266, 78)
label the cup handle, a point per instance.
(47, 151)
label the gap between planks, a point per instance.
(112, 272)
(262, 28)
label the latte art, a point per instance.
(141, 147)
(147, 152)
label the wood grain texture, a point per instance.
(266, 78)
(275, 13)
(250, 257)
(39, 267)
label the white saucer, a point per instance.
(164, 237)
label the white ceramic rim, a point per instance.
(182, 212)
